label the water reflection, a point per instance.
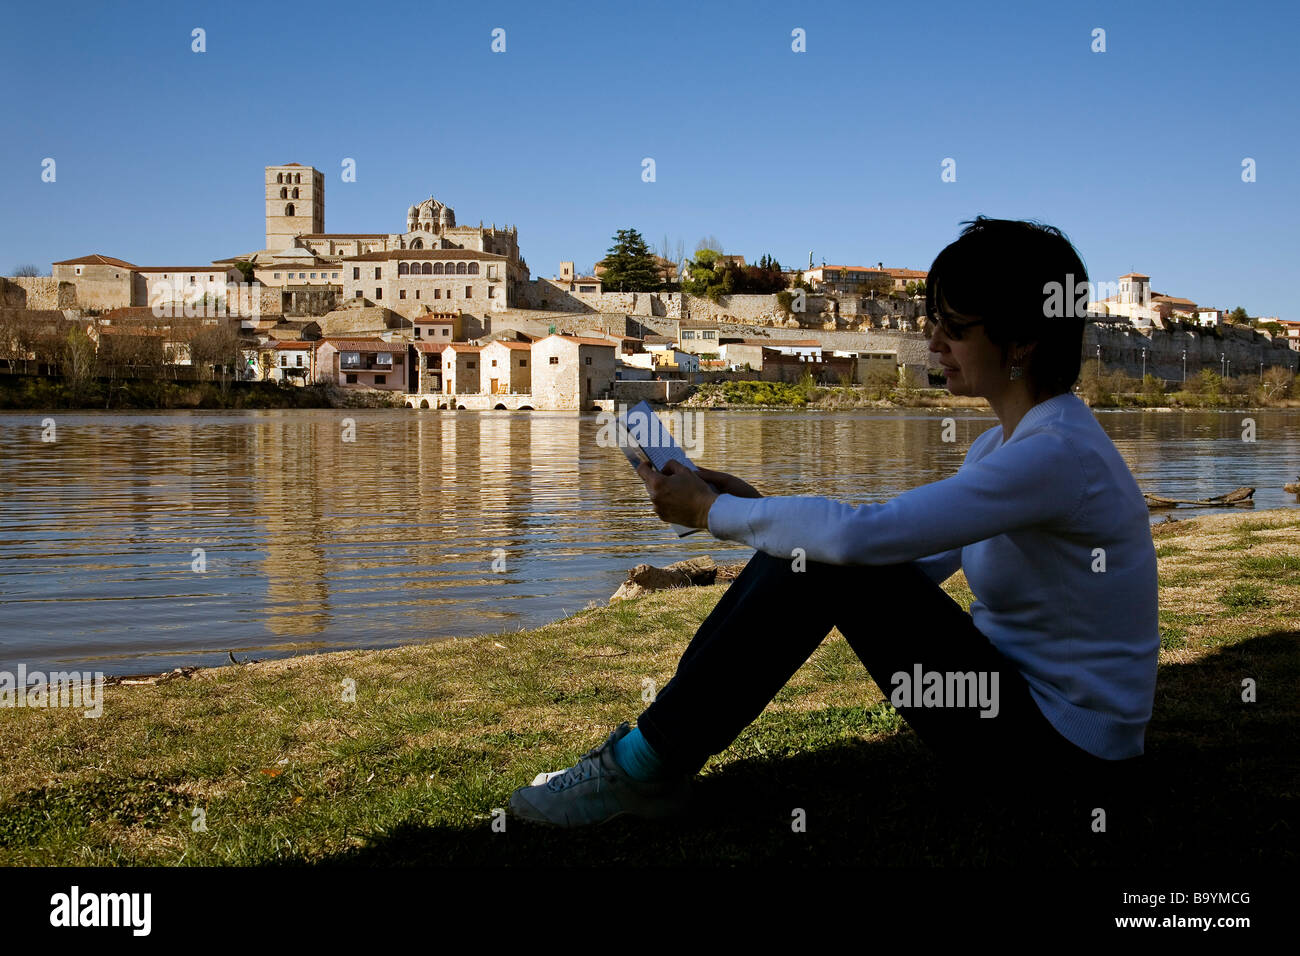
(431, 524)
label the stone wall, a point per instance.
(1245, 348)
(820, 311)
(539, 323)
(540, 294)
(36, 292)
(665, 391)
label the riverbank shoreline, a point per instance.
(405, 755)
(743, 395)
(35, 394)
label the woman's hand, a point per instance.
(728, 484)
(678, 494)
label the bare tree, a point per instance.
(26, 270)
(79, 360)
(709, 242)
(217, 346)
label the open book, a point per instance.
(644, 438)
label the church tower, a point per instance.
(295, 203)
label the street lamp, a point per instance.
(1184, 365)
(1144, 364)
(1222, 369)
(1099, 357)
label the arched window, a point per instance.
(417, 243)
(428, 227)
(404, 269)
(428, 269)
(295, 192)
(288, 210)
(284, 193)
(297, 177)
(437, 268)
(473, 268)
(460, 268)
(280, 178)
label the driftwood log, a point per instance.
(694, 572)
(1237, 496)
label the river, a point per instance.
(138, 542)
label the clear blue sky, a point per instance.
(1136, 152)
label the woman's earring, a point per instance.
(1016, 372)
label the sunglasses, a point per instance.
(954, 329)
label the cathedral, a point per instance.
(300, 253)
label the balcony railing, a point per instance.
(369, 366)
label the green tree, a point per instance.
(1237, 316)
(630, 266)
(1153, 390)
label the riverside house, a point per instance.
(460, 368)
(292, 361)
(571, 372)
(506, 369)
(425, 374)
(371, 362)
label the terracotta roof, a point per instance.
(291, 345)
(1135, 275)
(463, 347)
(131, 312)
(1173, 299)
(877, 270)
(429, 346)
(423, 254)
(580, 340)
(293, 164)
(435, 319)
(130, 330)
(182, 268)
(364, 345)
(95, 259)
(511, 345)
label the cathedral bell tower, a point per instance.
(295, 203)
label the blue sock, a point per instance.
(637, 758)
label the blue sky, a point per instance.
(1136, 152)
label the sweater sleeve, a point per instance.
(1033, 481)
(940, 567)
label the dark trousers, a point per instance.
(772, 618)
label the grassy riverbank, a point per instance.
(35, 393)
(1099, 389)
(441, 733)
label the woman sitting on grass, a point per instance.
(1043, 516)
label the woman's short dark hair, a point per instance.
(1001, 272)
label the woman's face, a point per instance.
(972, 365)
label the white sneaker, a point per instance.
(596, 789)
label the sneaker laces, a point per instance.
(588, 766)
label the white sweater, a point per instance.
(1025, 519)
